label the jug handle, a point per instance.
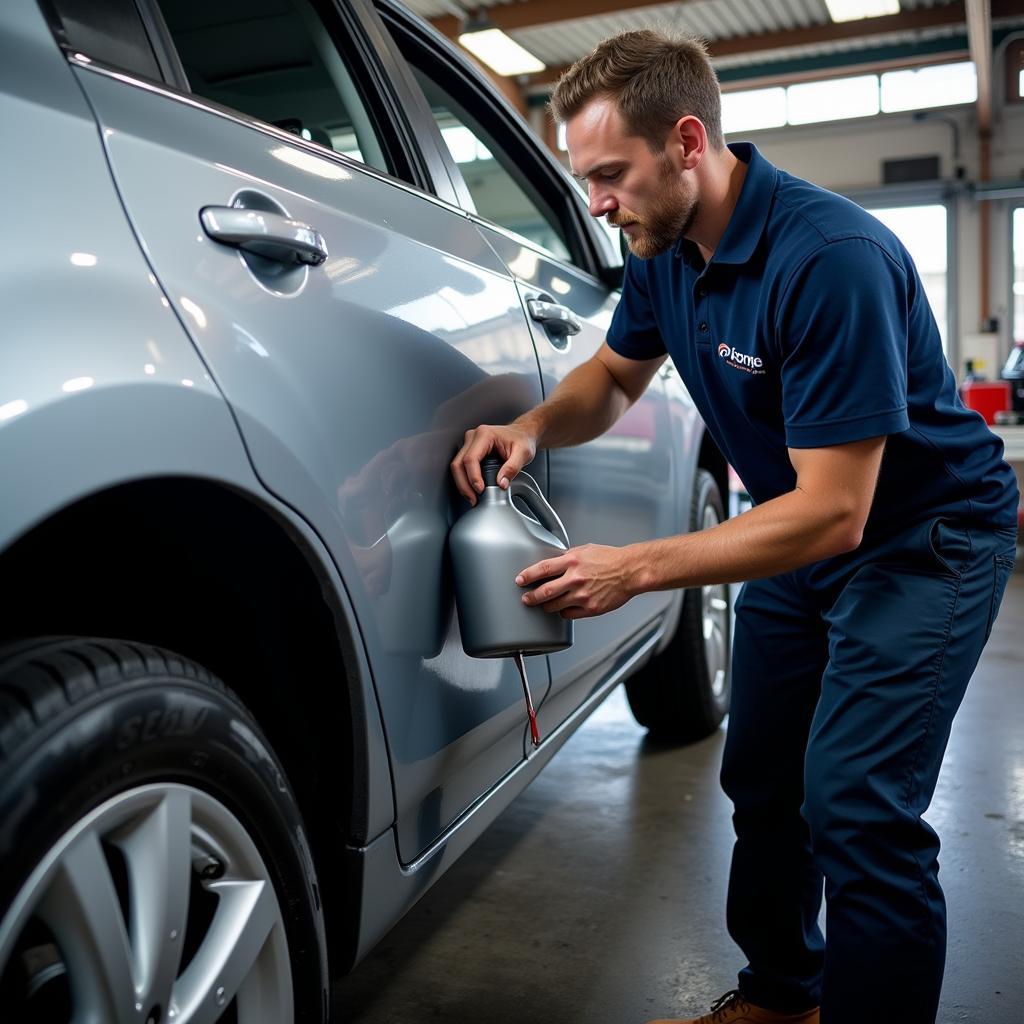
(524, 486)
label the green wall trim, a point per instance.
(782, 68)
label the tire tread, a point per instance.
(41, 681)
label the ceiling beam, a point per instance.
(906, 21)
(528, 13)
(532, 13)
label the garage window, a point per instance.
(924, 231)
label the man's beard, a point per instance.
(669, 218)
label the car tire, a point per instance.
(151, 850)
(682, 694)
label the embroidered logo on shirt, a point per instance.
(741, 360)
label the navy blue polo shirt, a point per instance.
(809, 327)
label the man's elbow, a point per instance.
(849, 540)
(845, 530)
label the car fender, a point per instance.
(99, 382)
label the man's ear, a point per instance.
(689, 139)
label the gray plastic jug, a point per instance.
(490, 545)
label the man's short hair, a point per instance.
(654, 79)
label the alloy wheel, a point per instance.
(154, 908)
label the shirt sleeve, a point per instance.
(634, 332)
(842, 329)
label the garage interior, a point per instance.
(598, 896)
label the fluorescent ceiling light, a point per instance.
(854, 10)
(500, 52)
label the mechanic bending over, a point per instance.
(877, 551)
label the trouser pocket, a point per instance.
(950, 544)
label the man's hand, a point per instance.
(514, 443)
(590, 580)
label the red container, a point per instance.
(986, 396)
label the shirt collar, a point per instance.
(746, 225)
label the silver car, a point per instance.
(265, 262)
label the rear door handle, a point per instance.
(264, 233)
(559, 320)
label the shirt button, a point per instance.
(703, 327)
(702, 292)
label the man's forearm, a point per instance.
(583, 406)
(786, 533)
(823, 516)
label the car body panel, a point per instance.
(353, 384)
(387, 888)
(97, 347)
(102, 388)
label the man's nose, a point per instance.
(601, 202)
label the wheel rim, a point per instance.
(715, 617)
(161, 911)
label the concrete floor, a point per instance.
(598, 896)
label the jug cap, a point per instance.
(490, 468)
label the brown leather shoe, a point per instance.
(732, 1008)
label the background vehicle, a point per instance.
(252, 298)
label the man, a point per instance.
(877, 551)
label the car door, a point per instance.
(356, 325)
(619, 488)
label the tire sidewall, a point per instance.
(706, 493)
(672, 694)
(159, 728)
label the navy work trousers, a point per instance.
(843, 696)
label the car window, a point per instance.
(110, 32)
(274, 60)
(495, 180)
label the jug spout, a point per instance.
(490, 467)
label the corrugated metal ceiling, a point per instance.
(561, 42)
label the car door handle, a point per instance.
(559, 320)
(264, 233)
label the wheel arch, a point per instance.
(221, 576)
